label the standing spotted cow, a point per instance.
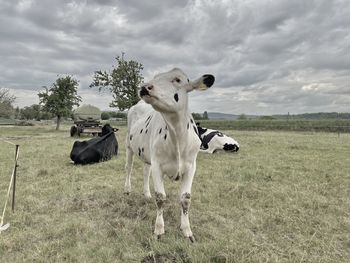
(161, 131)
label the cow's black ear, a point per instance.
(203, 83)
(208, 80)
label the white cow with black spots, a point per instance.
(213, 141)
(161, 131)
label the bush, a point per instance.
(105, 116)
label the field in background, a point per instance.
(283, 198)
(332, 125)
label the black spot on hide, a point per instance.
(165, 137)
(141, 131)
(148, 121)
(207, 138)
(139, 152)
(160, 130)
(176, 97)
(231, 147)
(146, 131)
(201, 131)
(130, 137)
(188, 125)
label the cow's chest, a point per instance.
(155, 144)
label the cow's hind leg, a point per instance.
(128, 168)
(146, 174)
(185, 201)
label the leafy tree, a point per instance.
(17, 113)
(28, 113)
(197, 116)
(205, 116)
(105, 115)
(123, 82)
(266, 117)
(60, 98)
(121, 115)
(6, 100)
(242, 117)
(36, 112)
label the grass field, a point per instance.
(285, 197)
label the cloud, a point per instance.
(267, 56)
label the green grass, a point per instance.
(319, 125)
(283, 198)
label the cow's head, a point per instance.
(107, 128)
(167, 92)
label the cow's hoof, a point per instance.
(192, 239)
(148, 196)
(158, 237)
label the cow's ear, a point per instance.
(203, 83)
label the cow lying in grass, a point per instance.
(97, 149)
(213, 141)
(162, 133)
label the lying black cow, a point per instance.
(97, 149)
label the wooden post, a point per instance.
(14, 179)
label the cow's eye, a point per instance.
(176, 80)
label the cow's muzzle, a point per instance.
(145, 89)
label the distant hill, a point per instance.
(304, 116)
(315, 116)
(226, 116)
(219, 115)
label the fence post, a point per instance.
(14, 179)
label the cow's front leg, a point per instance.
(157, 176)
(185, 201)
(146, 174)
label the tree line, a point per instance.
(61, 97)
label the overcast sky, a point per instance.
(268, 57)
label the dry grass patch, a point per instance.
(283, 198)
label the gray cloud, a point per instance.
(267, 56)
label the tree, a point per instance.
(205, 116)
(197, 116)
(60, 98)
(242, 117)
(6, 100)
(28, 113)
(17, 113)
(36, 112)
(123, 82)
(105, 115)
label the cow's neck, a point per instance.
(177, 124)
(178, 132)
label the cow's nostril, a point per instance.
(144, 91)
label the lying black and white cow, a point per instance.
(213, 141)
(97, 149)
